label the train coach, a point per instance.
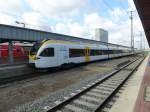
(55, 53)
(19, 50)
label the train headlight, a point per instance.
(33, 57)
(36, 58)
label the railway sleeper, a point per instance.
(104, 88)
(90, 99)
(74, 108)
(96, 95)
(108, 86)
(101, 90)
(111, 84)
(85, 104)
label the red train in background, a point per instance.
(19, 50)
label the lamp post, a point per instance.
(20, 23)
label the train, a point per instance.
(56, 53)
(19, 50)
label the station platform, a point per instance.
(17, 61)
(15, 70)
(136, 95)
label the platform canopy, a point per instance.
(13, 33)
(143, 8)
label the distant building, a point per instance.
(101, 35)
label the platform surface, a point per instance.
(143, 99)
(132, 98)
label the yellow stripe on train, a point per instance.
(87, 54)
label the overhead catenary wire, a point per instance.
(129, 16)
(122, 6)
(104, 1)
(124, 9)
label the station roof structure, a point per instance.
(13, 33)
(143, 8)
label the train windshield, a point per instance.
(35, 48)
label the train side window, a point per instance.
(95, 52)
(76, 52)
(48, 52)
(105, 52)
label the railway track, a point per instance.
(4, 81)
(93, 97)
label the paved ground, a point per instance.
(21, 92)
(143, 99)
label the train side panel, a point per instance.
(58, 54)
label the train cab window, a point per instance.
(48, 52)
(35, 48)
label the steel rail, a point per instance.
(76, 96)
(35, 74)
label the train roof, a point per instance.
(47, 41)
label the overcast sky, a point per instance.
(75, 17)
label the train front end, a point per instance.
(33, 54)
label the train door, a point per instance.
(114, 52)
(63, 55)
(87, 54)
(108, 53)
